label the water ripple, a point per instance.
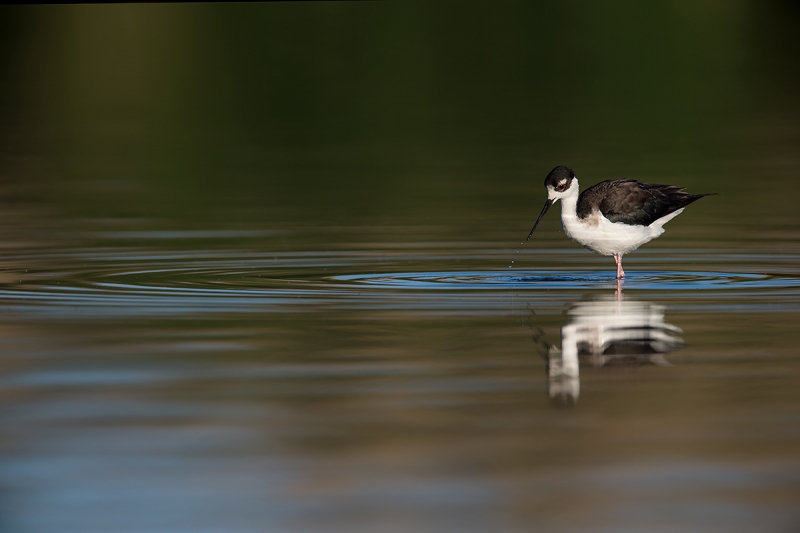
(188, 282)
(658, 280)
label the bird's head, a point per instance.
(560, 183)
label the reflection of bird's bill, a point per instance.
(547, 206)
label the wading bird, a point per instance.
(614, 217)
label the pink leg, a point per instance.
(618, 260)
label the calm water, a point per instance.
(262, 269)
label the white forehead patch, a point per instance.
(562, 182)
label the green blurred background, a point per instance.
(395, 113)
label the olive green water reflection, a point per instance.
(262, 268)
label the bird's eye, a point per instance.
(560, 186)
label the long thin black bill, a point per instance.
(547, 205)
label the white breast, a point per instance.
(602, 236)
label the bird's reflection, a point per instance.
(603, 332)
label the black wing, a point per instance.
(631, 202)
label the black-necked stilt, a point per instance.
(614, 217)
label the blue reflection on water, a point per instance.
(651, 280)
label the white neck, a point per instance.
(569, 202)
